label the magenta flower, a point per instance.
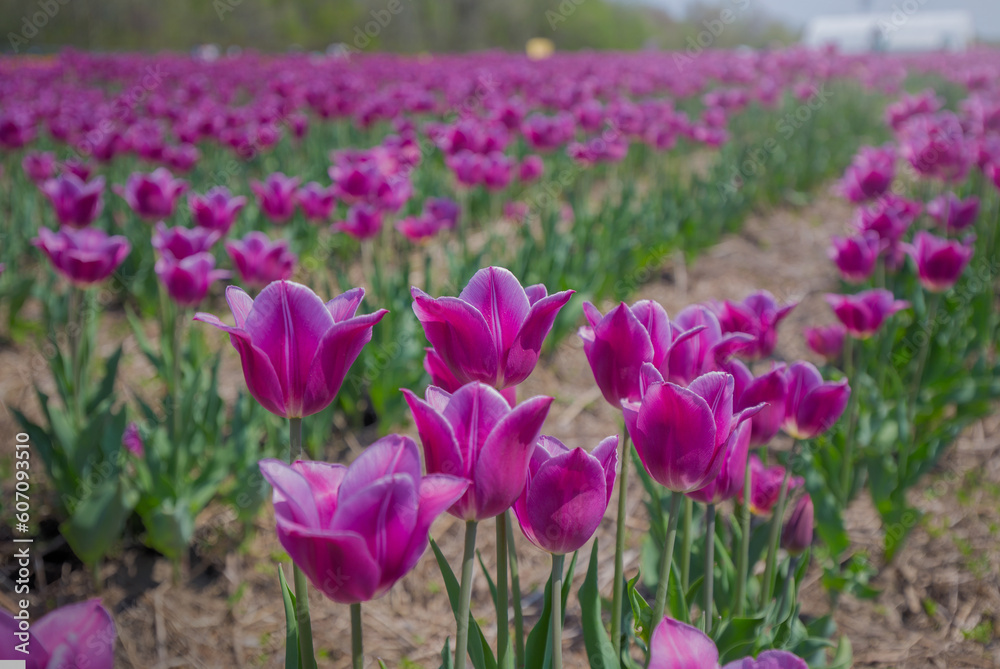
(812, 405)
(276, 196)
(797, 534)
(315, 201)
(566, 493)
(940, 262)
(768, 390)
(259, 261)
(706, 349)
(475, 434)
(729, 482)
(76, 635)
(758, 315)
(675, 645)
(442, 209)
(765, 485)
(952, 213)
(681, 433)
(40, 166)
(855, 256)
(86, 256)
(76, 203)
(769, 659)
(363, 222)
(863, 313)
(295, 350)
(153, 195)
(530, 169)
(217, 209)
(908, 106)
(188, 279)
(76, 167)
(494, 330)
(354, 531)
(181, 242)
(132, 440)
(870, 173)
(936, 146)
(181, 158)
(827, 341)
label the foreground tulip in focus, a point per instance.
(76, 635)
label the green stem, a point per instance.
(503, 628)
(557, 614)
(847, 465)
(666, 559)
(357, 640)
(306, 655)
(709, 567)
(515, 585)
(686, 539)
(772, 550)
(175, 373)
(619, 583)
(465, 595)
(295, 439)
(742, 568)
(918, 377)
(75, 326)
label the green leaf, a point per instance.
(107, 384)
(600, 650)
(291, 624)
(479, 650)
(96, 522)
(169, 527)
(489, 579)
(735, 638)
(642, 612)
(446, 662)
(844, 657)
(537, 652)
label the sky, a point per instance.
(985, 13)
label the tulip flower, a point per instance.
(188, 279)
(86, 256)
(259, 261)
(729, 481)
(153, 195)
(765, 485)
(768, 390)
(132, 440)
(216, 209)
(276, 196)
(181, 242)
(355, 531)
(566, 493)
(493, 331)
(76, 167)
(39, 166)
(530, 169)
(295, 349)
(798, 533)
(769, 659)
(316, 202)
(908, 106)
(870, 173)
(442, 209)
(181, 158)
(936, 146)
(855, 256)
(826, 341)
(702, 352)
(363, 222)
(758, 315)
(76, 635)
(940, 262)
(681, 433)
(76, 203)
(863, 313)
(675, 645)
(952, 213)
(812, 405)
(16, 130)
(475, 434)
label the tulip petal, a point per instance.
(617, 351)
(293, 498)
(84, 632)
(675, 437)
(606, 453)
(390, 455)
(535, 292)
(717, 389)
(460, 335)
(338, 564)
(821, 407)
(346, 305)
(324, 480)
(239, 303)
(566, 501)
(523, 353)
(441, 451)
(769, 659)
(437, 493)
(261, 377)
(675, 645)
(473, 412)
(384, 512)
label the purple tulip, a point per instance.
(86, 256)
(132, 440)
(259, 261)
(765, 486)
(870, 173)
(494, 330)
(188, 279)
(675, 645)
(419, 228)
(952, 213)
(181, 158)
(827, 341)
(797, 534)
(566, 493)
(76, 635)
(181, 242)
(154, 195)
(863, 313)
(940, 262)
(77, 167)
(767, 389)
(76, 203)
(769, 659)
(758, 315)
(442, 209)
(276, 196)
(475, 434)
(855, 256)
(908, 106)
(702, 352)
(530, 169)
(316, 202)
(730, 479)
(363, 222)
(217, 209)
(16, 130)
(812, 405)
(354, 531)
(936, 146)
(40, 166)
(681, 433)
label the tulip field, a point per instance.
(600, 360)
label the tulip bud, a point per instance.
(798, 532)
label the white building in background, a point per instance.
(899, 30)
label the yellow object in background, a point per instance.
(539, 48)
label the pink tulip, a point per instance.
(76, 635)
(675, 645)
(765, 485)
(940, 262)
(188, 279)
(530, 169)
(276, 196)
(936, 146)
(259, 261)
(475, 434)
(706, 349)
(153, 195)
(132, 440)
(295, 350)
(217, 209)
(953, 214)
(76, 203)
(826, 341)
(797, 534)
(86, 256)
(355, 531)
(768, 389)
(870, 173)
(855, 256)
(181, 242)
(757, 315)
(863, 313)
(363, 222)
(181, 158)
(316, 202)
(39, 166)
(812, 405)
(494, 330)
(729, 481)
(769, 659)
(566, 493)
